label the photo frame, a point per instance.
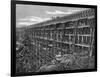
(52, 38)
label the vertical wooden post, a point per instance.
(75, 35)
(92, 41)
(82, 43)
(92, 36)
(69, 44)
(78, 39)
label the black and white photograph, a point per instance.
(51, 38)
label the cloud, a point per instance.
(62, 12)
(29, 20)
(33, 18)
(21, 24)
(56, 12)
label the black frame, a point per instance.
(13, 36)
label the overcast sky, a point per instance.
(32, 14)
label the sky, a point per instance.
(27, 15)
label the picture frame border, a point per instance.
(13, 36)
